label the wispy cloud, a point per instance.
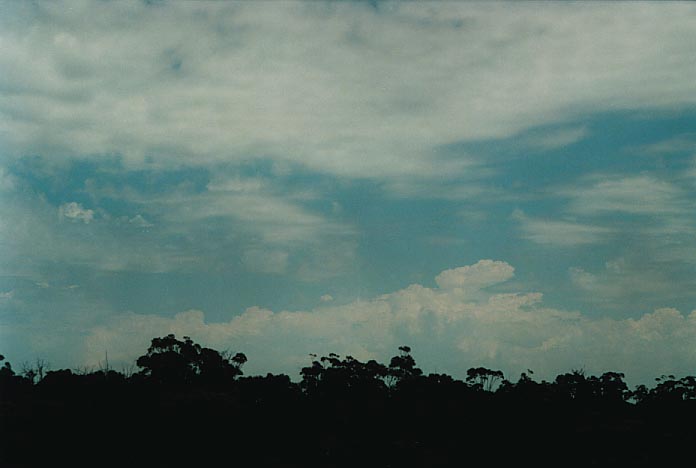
(685, 143)
(560, 233)
(622, 282)
(639, 194)
(233, 223)
(558, 138)
(182, 82)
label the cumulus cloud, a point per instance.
(448, 330)
(76, 212)
(482, 274)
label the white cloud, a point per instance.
(33, 236)
(640, 194)
(193, 230)
(202, 83)
(560, 233)
(139, 221)
(685, 143)
(7, 294)
(326, 298)
(449, 331)
(638, 212)
(75, 212)
(622, 281)
(477, 276)
(583, 279)
(558, 138)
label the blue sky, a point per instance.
(509, 185)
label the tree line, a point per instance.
(189, 405)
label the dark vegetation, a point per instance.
(187, 405)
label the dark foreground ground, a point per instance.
(343, 413)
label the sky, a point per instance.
(509, 185)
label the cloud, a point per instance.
(558, 138)
(477, 276)
(621, 281)
(140, 221)
(560, 233)
(34, 238)
(685, 143)
(231, 222)
(75, 212)
(450, 329)
(326, 298)
(7, 294)
(635, 194)
(202, 84)
(638, 212)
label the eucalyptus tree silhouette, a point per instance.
(331, 375)
(403, 368)
(188, 402)
(484, 379)
(172, 361)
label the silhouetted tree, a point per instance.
(173, 361)
(611, 387)
(333, 375)
(402, 368)
(11, 384)
(484, 379)
(574, 386)
(343, 413)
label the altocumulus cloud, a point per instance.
(461, 323)
(335, 87)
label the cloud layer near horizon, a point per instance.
(463, 323)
